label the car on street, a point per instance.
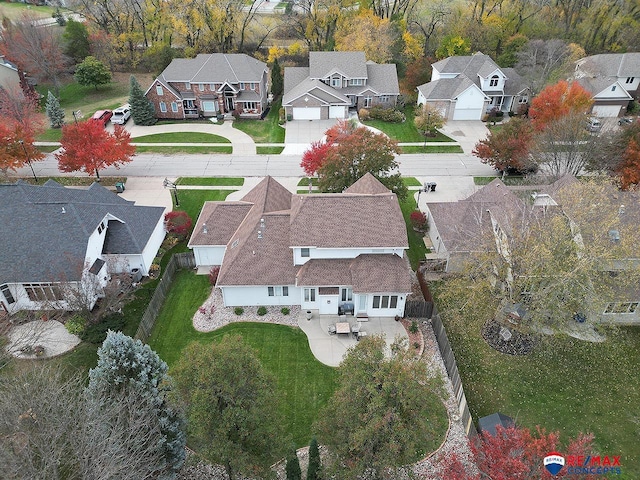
(593, 125)
(102, 116)
(121, 114)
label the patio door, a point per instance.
(362, 303)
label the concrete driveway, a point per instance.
(466, 132)
(300, 133)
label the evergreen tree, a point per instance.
(313, 472)
(76, 40)
(276, 79)
(293, 466)
(127, 366)
(142, 110)
(92, 72)
(55, 113)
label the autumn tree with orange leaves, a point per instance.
(557, 101)
(88, 147)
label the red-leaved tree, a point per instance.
(628, 170)
(507, 149)
(314, 157)
(88, 147)
(16, 146)
(558, 100)
(178, 223)
(514, 453)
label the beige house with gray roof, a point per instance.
(335, 82)
(323, 252)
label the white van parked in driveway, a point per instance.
(121, 114)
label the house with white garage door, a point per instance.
(325, 252)
(335, 82)
(613, 79)
(467, 87)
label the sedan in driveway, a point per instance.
(102, 116)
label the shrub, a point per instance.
(363, 113)
(262, 311)
(285, 311)
(414, 327)
(97, 332)
(418, 221)
(178, 223)
(76, 325)
(238, 311)
(387, 114)
(213, 274)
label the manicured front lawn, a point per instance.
(411, 182)
(304, 384)
(566, 384)
(269, 150)
(405, 131)
(181, 137)
(188, 150)
(433, 149)
(263, 131)
(191, 201)
(211, 181)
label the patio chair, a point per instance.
(332, 329)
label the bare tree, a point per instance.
(427, 18)
(539, 59)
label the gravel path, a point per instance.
(213, 315)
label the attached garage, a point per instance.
(337, 111)
(306, 113)
(467, 114)
(606, 110)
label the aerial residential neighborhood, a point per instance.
(295, 240)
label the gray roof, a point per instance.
(611, 65)
(215, 68)
(597, 85)
(383, 78)
(316, 88)
(468, 65)
(445, 88)
(51, 225)
(515, 83)
(349, 64)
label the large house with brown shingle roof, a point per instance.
(319, 251)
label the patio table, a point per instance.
(343, 327)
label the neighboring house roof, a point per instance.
(381, 79)
(468, 65)
(259, 250)
(215, 68)
(619, 65)
(596, 86)
(446, 88)
(515, 83)
(51, 226)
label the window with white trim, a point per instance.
(356, 82)
(201, 87)
(42, 292)
(7, 294)
(385, 301)
(367, 102)
(252, 86)
(613, 88)
(187, 85)
(163, 107)
(347, 294)
(522, 100)
(304, 252)
(336, 82)
(101, 227)
(384, 98)
(621, 307)
(494, 81)
(212, 86)
(159, 90)
(251, 105)
(174, 107)
(629, 80)
(278, 291)
(309, 294)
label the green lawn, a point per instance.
(566, 384)
(304, 182)
(263, 131)
(188, 150)
(50, 135)
(406, 131)
(14, 10)
(432, 149)
(417, 248)
(211, 181)
(304, 384)
(411, 182)
(181, 137)
(269, 150)
(191, 201)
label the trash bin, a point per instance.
(119, 187)
(433, 186)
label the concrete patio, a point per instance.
(330, 349)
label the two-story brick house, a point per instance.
(334, 82)
(211, 85)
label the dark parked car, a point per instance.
(102, 116)
(625, 121)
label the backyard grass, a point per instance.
(187, 149)
(405, 131)
(263, 131)
(565, 385)
(181, 137)
(269, 150)
(432, 149)
(191, 201)
(211, 181)
(304, 384)
(417, 248)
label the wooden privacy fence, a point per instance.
(178, 261)
(418, 309)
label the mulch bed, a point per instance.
(519, 343)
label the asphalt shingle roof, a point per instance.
(350, 64)
(45, 229)
(215, 68)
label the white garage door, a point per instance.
(606, 110)
(467, 114)
(306, 113)
(337, 111)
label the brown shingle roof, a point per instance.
(222, 219)
(269, 196)
(327, 271)
(367, 184)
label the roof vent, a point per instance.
(204, 228)
(262, 223)
(259, 234)
(621, 210)
(63, 210)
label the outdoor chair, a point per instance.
(332, 329)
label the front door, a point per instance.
(228, 104)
